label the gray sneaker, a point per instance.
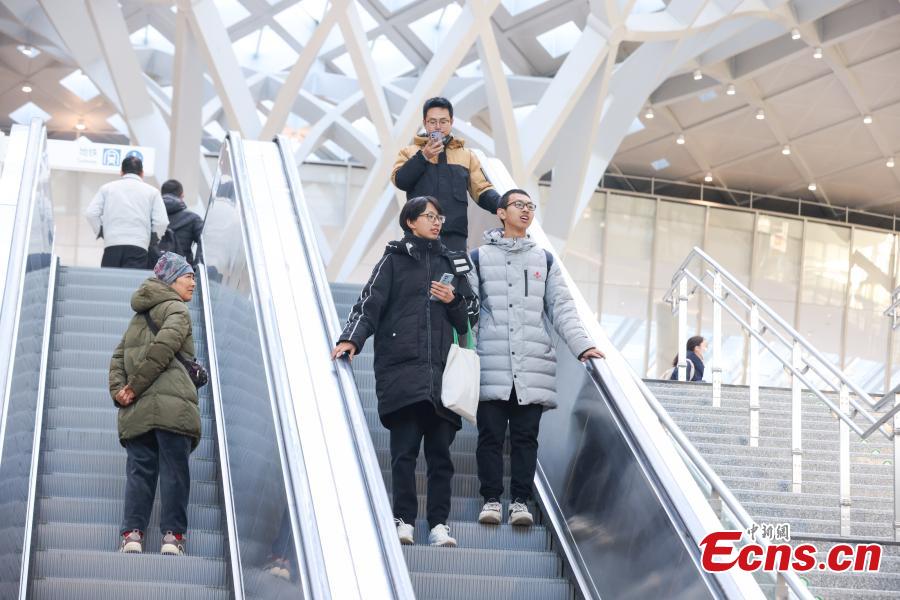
(520, 515)
(491, 513)
(173, 544)
(132, 542)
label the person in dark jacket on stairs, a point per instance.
(159, 414)
(412, 316)
(186, 226)
(696, 348)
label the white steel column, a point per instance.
(753, 367)
(717, 341)
(222, 64)
(145, 123)
(682, 328)
(844, 451)
(187, 108)
(796, 421)
(896, 443)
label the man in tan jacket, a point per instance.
(439, 165)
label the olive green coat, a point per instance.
(165, 397)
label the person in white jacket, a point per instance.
(522, 293)
(124, 213)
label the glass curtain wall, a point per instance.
(830, 281)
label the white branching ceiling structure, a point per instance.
(766, 95)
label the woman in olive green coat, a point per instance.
(159, 415)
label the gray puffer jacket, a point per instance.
(519, 302)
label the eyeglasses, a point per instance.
(531, 206)
(435, 122)
(433, 217)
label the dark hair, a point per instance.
(692, 343)
(414, 208)
(172, 187)
(437, 102)
(504, 199)
(133, 165)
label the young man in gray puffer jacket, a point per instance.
(522, 293)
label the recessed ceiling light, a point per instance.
(680, 139)
(698, 75)
(817, 53)
(26, 87)
(795, 34)
(80, 126)
(811, 187)
(708, 177)
(29, 51)
(730, 90)
(786, 150)
(760, 114)
(649, 114)
(867, 119)
(890, 163)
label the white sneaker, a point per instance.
(172, 544)
(440, 536)
(519, 514)
(491, 513)
(405, 532)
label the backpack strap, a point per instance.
(473, 256)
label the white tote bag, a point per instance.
(462, 379)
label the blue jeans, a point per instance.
(164, 455)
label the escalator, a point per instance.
(293, 461)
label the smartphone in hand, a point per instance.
(436, 136)
(446, 279)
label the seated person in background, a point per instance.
(696, 347)
(124, 213)
(412, 314)
(519, 287)
(185, 226)
(159, 416)
(439, 165)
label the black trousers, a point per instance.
(454, 241)
(124, 257)
(408, 427)
(164, 455)
(524, 422)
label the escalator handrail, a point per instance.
(14, 286)
(310, 560)
(690, 504)
(234, 551)
(31, 504)
(365, 450)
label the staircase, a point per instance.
(761, 477)
(82, 465)
(496, 562)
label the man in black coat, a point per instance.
(412, 316)
(185, 226)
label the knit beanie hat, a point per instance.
(170, 267)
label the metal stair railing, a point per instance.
(797, 356)
(719, 496)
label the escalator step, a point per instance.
(98, 589)
(450, 587)
(148, 567)
(104, 441)
(113, 463)
(470, 561)
(109, 512)
(105, 538)
(498, 537)
(94, 485)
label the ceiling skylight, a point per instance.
(150, 37)
(660, 164)
(231, 11)
(648, 6)
(296, 21)
(389, 61)
(80, 84)
(433, 27)
(560, 40)
(28, 111)
(264, 51)
(515, 7)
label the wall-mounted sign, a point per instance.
(85, 155)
